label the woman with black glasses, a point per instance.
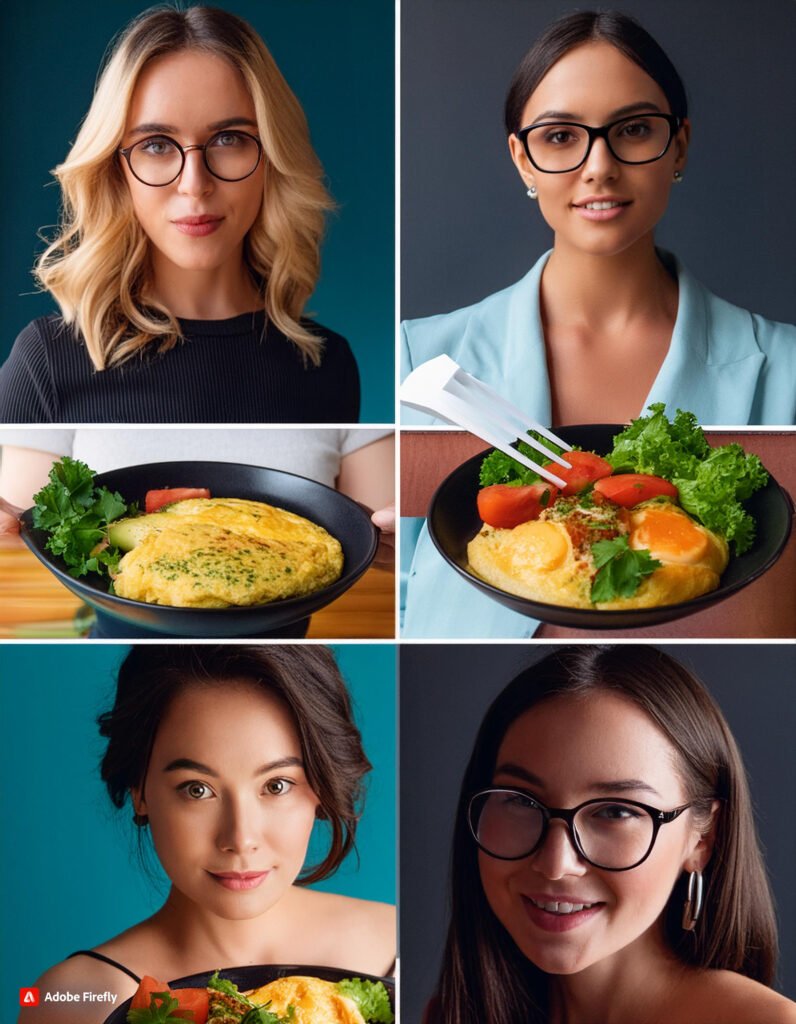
(604, 324)
(193, 210)
(605, 863)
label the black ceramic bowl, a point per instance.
(341, 516)
(247, 978)
(453, 521)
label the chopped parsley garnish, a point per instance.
(620, 569)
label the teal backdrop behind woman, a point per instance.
(71, 873)
(339, 60)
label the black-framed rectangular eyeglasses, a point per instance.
(615, 835)
(158, 160)
(555, 147)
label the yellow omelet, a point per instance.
(315, 1001)
(540, 561)
(219, 552)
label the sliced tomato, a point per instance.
(629, 489)
(157, 499)
(194, 1004)
(586, 468)
(147, 986)
(505, 506)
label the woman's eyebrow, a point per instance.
(283, 762)
(157, 127)
(187, 764)
(623, 786)
(629, 108)
(509, 768)
(615, 786)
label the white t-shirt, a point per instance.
(314, 452)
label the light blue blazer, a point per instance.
(728, 366)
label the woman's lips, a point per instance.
(198, 226)
(552, 921)
(239, 880)
(599, 208)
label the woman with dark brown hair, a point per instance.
(606, 866)
(228, 755)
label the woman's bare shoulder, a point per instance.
(80, 990)
(364, 931)
(726, 997)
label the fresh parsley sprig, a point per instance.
(620, 569)
(159, 1011)
(76, 515)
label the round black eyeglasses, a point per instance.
(555, 147)
(615, 835)
(158, 160)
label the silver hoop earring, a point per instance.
(692, 907)
(531, 193)
(678, 177)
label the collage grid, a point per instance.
(320, 706)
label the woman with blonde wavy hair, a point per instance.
(192, 213)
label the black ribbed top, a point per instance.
(241, 370)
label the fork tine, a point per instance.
(463, 414)
(523, 422)
(440, 386)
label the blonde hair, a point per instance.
(97, 268)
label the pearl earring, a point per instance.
(531, 193)
(678, 177)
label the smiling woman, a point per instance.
(598, 130)
(193, 210)
(228, 757)
(605, 859)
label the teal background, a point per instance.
(339, 60)
(70, 870)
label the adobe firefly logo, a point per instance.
(28, 997)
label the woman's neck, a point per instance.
(636, 984)
(214, 294)
(606, 293)
(194, 935)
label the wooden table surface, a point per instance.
(764, 609)
(34, 605)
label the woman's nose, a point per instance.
(194, 179)
(557, 856)
(601, 164)
(241, 828)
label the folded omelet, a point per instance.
(314, 1001)
(544, 559)
(218, 552)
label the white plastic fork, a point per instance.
(441, 387)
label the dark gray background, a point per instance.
(468, 228)
(444, 692)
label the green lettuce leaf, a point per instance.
(371, 998)
(712, 482)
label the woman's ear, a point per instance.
(700, 853)
(138, 801)
(680, 143)
(521, 162)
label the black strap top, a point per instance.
(105, 959)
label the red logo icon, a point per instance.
(28, 997)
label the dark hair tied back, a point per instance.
(306, 678)
(614, 27)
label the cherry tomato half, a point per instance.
(157, 499)
(504, 506)
(586, 468)
(629, 489)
